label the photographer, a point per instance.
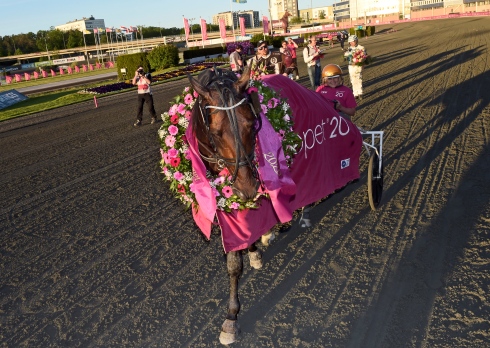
(312, 56)
(334, 91)
(143, 81)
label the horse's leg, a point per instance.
(255, 256)
(230, 328)
(305, 217)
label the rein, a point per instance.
(229, 107)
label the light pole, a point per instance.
(45, 43)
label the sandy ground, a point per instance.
(95, 251)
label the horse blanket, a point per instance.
(327, 161)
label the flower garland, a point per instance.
(176, 164)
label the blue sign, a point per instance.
(10, 98)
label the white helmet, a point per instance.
(352, 38)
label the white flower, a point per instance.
(183, 122)
(222, 202)
(162, 133)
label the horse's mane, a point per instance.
(207, 78)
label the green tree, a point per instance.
(163, 57)
(295, 20)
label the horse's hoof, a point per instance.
(305, 223)
(255, 259)
(267, 238)
(229, 332)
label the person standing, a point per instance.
(143, 81)
(263, 63)
(312, 56)
(334, 91)
(341, 37)
(355, 68)
(236, 60)
(293, 46)
(288, 66)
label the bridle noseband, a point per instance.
(227, 99)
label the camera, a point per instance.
(141, 71)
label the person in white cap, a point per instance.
(355, 67)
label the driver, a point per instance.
(263, 63)
(334, 91)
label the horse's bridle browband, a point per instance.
(222, 162)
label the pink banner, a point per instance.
(8, 79)
(91, 67)
(77, 69)
(27, 76)
(186, 29)
(18, 78)
(84, 67)
(204, 30)
(265, 24)
(36, 74)
(222, 28)
(45, 73)
(70, 70)
(53, 73)
(242, 26)
(97, 65)
(62, 72)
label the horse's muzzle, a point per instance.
(246, 193)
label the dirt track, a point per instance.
(95, 252)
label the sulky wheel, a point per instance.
(374, 180)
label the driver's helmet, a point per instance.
(331, 70)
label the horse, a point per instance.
(285, 21)
(226, 128)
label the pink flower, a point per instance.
(178, 176)
(281, 133)
(224, 172)
(272, 103)
(250, 90)
(174, 119)
(166, 158)
(172, 153)
(188, 99)
(162, 152)
(174, 162)
(170, 140)
(264, 108)
(234, 205)
(215, 192)
(187, 154)
(186, 89)
(219, 180)
(173, 130)
(227, 191)
(173, 110)
(286, 118)
(188, 114)
(261, 98)
(181, 108)
(195, 94)
(191, 187)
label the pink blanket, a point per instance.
(328, 160)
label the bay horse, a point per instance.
(227, 130)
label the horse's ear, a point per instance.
(242, 84)
(200, 89)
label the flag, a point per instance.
(134, 29)
(204, 30)
(222, 28)
(186, 29)
(124, 28)
(240, 1)
(108, 30)
(265, 23)
(96, 31)
(242, 26)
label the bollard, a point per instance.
(95, 101)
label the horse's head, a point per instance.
(225, 126)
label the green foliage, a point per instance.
(360, 33)
(131, 62)
(295, 20)
(163, 57)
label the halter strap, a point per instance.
(227, 107)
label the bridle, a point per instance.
(228, 105)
